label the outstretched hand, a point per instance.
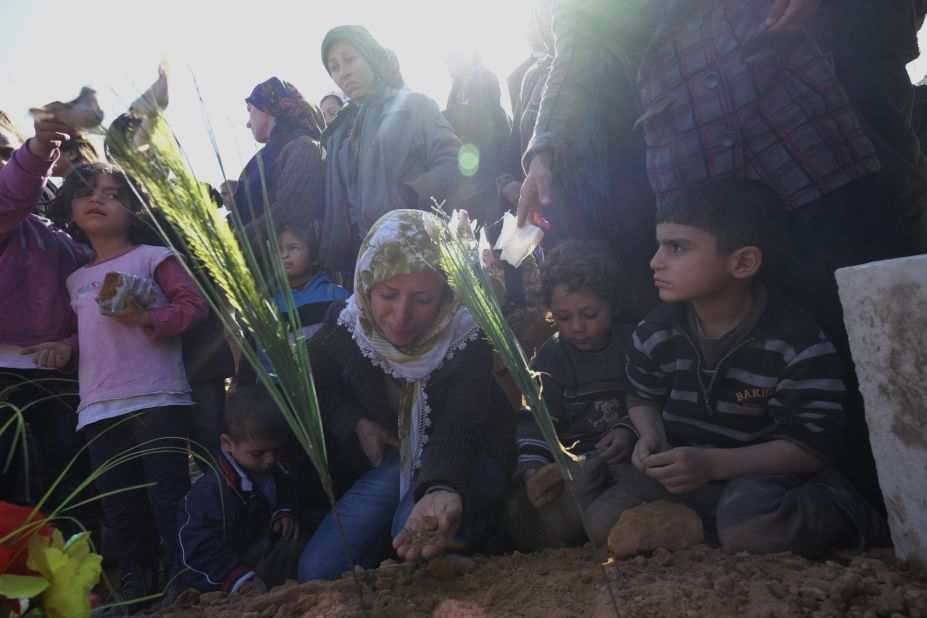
(444, 506)
(535, 192)
(789, 15)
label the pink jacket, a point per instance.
(35, 258)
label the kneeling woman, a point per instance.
(414, 360)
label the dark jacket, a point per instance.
(782, 381)
(224, 526)
(469, 411)
(405, 140)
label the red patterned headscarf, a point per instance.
(283, 101)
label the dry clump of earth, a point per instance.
(425, 534)
(696, 581)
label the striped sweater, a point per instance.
(781, 381)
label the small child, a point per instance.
(739, 401)
(132, 384)
(236, 525)
(313, 292)
(582, 373)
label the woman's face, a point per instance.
(351, 71)
(260, 123)
(404, 307)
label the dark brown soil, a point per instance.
(570, 582)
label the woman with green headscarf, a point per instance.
(387, 148)
(420, 402)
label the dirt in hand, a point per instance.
(426, 533)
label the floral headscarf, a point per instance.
(283, 101)
(401, 243)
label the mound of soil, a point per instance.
(569, 582)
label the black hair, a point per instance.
(738, 212)
(309, 234)
(586, 266)
(252, 414)
(131, 194)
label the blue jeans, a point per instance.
(372, 514)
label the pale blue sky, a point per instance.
(50, 48)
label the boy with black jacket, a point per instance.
(739, 399)
(236, 525)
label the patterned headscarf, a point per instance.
(295, 116)
(401, 243)
(283, 101)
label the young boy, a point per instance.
(236, 526)
(313, 292)
(739, 401)
(584, 388)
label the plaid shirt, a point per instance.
(719, 97)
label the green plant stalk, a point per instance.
(460, 262)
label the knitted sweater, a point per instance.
(469, 411)
(297, 190)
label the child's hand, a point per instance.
(373, 438)
(544, 487)
(49, 355)
(616, 446)
(680, 470)
(130, 315)
(286, 526)
(647, 445)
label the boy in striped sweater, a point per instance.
(737, 395)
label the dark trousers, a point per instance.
(759, 513)
(207, 416)
(137, 517)
(849, 226)
(39, 452)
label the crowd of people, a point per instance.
(762, 143)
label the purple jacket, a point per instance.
(35, 258)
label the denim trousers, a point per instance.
(373, 513)
(136, 518)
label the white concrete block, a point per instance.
(885, 310)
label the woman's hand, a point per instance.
(49, 355)
(535, 192)
(616, 445)
(444, 506)
(373, 437)
(130, 315)
(48, 135)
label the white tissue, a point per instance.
(517, 243)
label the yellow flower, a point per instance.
(71, 569)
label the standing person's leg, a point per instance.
(366, 511)
(164, 432)
(207, 416)
(126, 514)
(47, 401)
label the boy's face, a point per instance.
(252, 454)
(687, 265)
(582, 318)
(297, 259)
